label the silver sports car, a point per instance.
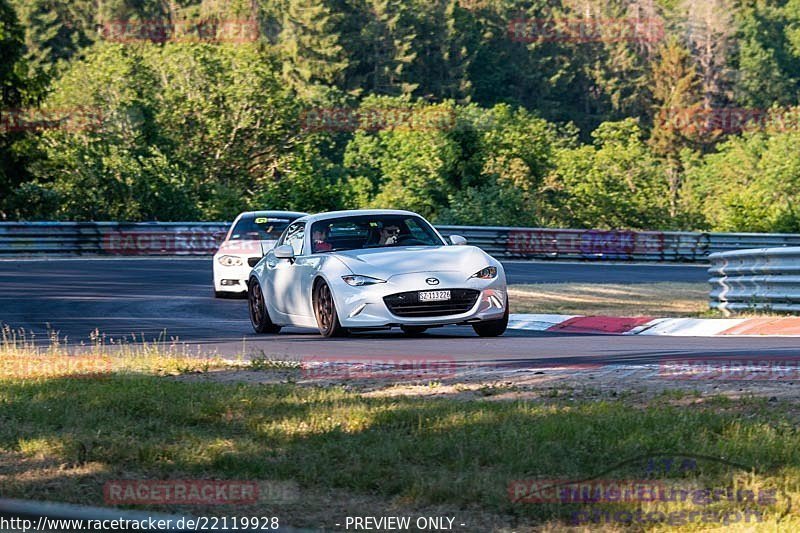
(375, 269)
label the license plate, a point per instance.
(434, 296)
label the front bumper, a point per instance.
(231, 278)
(364, 307)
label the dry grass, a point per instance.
(22, 357)
(648, 299)
(326, 451)
(322, 453)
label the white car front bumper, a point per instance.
(231, 279)
(472, 300)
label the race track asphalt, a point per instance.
(147, 297)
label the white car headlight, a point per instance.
(358, 281)
(486, 273)
(229, 260)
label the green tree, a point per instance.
(385, 49)
(193, 126)
(504, 167)
(12, 73)
(308, 182)
(616, 183)
(750, 184)
(409, 163)
(55, 31)
(310, 45)
(16, 90)
(480, 167)
(676, 91)
(766, 68)
(116, 167)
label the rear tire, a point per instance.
(325, 312)
(492, 328)
(414, 330)
(259, 316)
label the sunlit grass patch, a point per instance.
(23, 356)
(69, 436)
(417, 451)
(662, 299)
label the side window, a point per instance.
(416, 231)
(294, 237)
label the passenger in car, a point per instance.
(389, 235)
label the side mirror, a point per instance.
(458, 240)
(284, 251)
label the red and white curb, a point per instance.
(674, 327)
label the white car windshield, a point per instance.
(371, 231)
(259, 228)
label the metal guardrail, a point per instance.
(111, 238)
(621, 245)
(763, 279)
(203, 238)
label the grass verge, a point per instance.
(65, 438)
(664, 299)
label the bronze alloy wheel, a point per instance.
(325, 311)
(259, 316)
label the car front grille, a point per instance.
(407, 304)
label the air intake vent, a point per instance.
(407, 304)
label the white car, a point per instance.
(250, 236)
(375, 269)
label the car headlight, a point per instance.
(358, 281)
(486, 273)
(229, 260)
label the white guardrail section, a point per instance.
(203, 238)
(763, 279)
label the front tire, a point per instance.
(259, 316)
(492, 328)
(325, 312)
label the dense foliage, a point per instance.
(468, 111)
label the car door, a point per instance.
(291, 277)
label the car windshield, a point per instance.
(371, 231)
(259, 228)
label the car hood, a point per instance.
(384, 263)
(250, 248)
